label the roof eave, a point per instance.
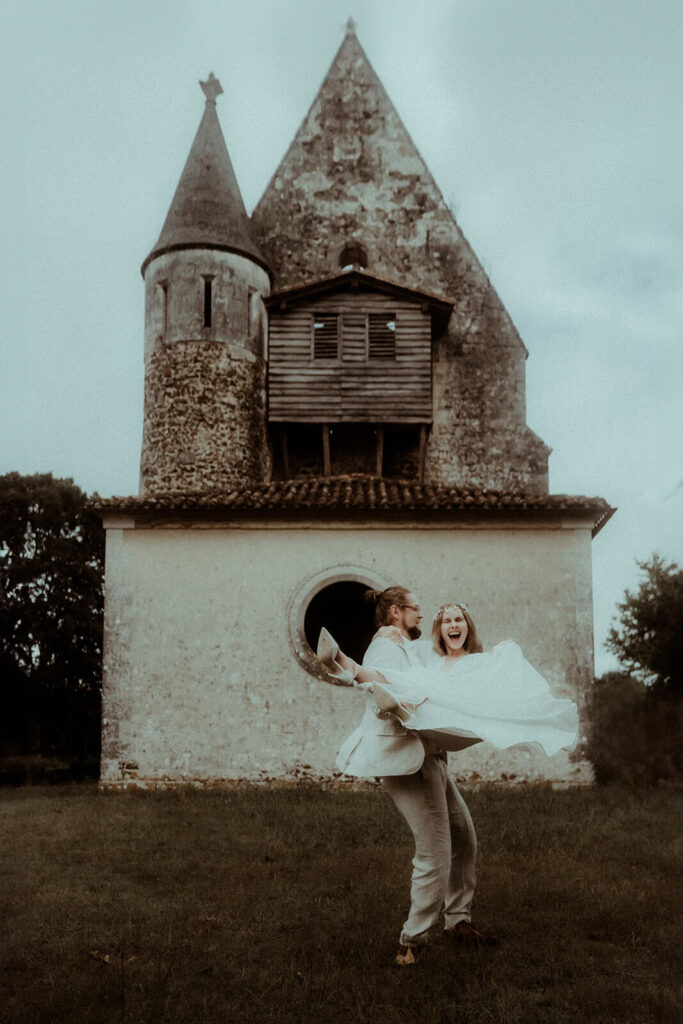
(214, 246)
(146, 513)
(349, 279)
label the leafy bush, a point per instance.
(636, 733)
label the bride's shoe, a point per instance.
(327, 651)
(386, 701)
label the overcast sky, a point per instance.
(553, 128)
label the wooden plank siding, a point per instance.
(351, 388)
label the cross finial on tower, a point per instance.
(351, 27)
(211, 88)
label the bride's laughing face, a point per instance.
(453, 630)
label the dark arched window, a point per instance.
(353, 255)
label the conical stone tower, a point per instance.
(352, 181)
(205, 279)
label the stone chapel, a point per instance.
(334, 399)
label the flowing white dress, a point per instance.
(497, 697)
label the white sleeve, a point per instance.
(394, 662)
(383, 653)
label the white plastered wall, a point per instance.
(201, 683)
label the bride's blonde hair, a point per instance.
(472, 642)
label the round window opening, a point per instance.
(342, 609)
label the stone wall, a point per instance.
(203, 673)
(205, 401)
(479, 436)
(204, 423)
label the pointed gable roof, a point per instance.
(354, 281)
(207, 210)
(352, 173)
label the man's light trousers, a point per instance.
(445, 848)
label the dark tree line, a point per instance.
(51, 591)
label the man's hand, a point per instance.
(392, 633)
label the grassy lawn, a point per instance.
(258, 905)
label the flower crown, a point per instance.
(451, 604)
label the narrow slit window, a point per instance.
(325, 335)
(381, 335)
(164, 306)
(208, 282)
(251, 312)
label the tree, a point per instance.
(649, 638)
(51, 585)
(636, 731)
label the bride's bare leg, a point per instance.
(370, 675)
(344, 660)
(363, 675)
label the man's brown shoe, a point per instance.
(465, 934)
(409, 955)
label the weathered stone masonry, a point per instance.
(352, 174)
(205, 386)
(204, 417)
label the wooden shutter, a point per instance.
(325, 335)
(381, 335)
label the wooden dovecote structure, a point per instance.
(352, 355)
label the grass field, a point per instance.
(273, 905)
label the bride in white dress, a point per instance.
(463, 696)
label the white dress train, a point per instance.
(497, 697)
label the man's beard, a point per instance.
(414, 632)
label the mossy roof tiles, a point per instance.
(361, 496)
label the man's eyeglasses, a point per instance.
(413, 607)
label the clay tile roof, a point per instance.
(358, 496)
